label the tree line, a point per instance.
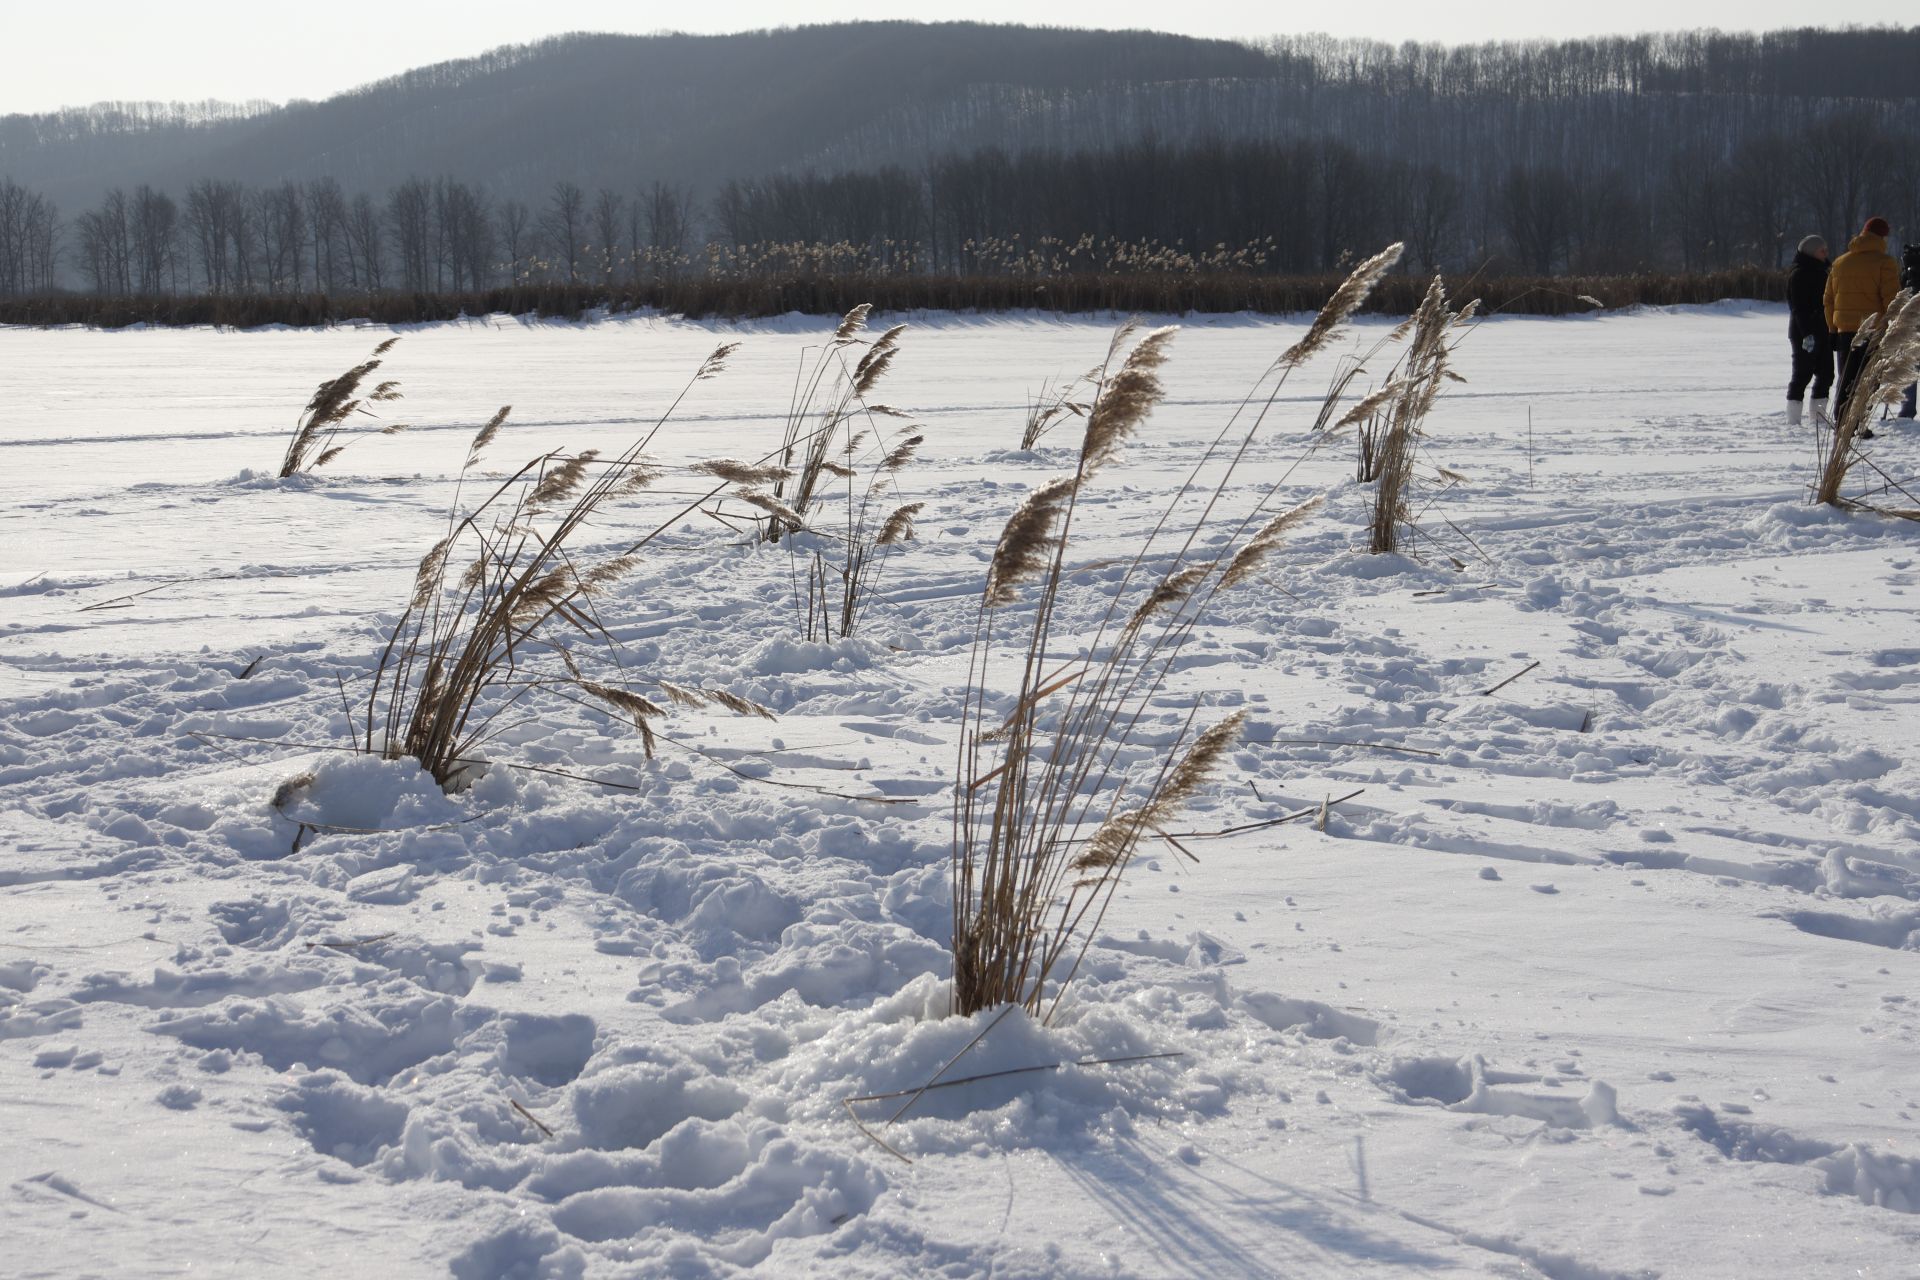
(440, 235)
(1277, 207)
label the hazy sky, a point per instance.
(68, 53)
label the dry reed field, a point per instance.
(948, 794)
(776, 288)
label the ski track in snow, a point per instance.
(1610, 972)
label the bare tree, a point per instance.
(283, 237)
(669, 225)
(327, 230)
(1838, 158)
(1537, 206)
(463, 236)
(1433, 215)
(156, 242)
(563, 226)
(410, 221)
(217, 223)
(607, 206)
(106, 245)
(366, 245)
(515, 223)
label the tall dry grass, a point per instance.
(1888, 351)
(503, 614)
(1047, 814)
(1391, 419)
(842, 455)
(1056, 403)
(332, 413)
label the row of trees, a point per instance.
(1297, 207)
(1860, 62)
(29, 241)
(436, 235)
(1275, 207)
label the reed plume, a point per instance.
(1027, 542)
(1126, 399)
(733, 471)
(326, 426)
(1113, 841)
(898, 526)
(1346, 300)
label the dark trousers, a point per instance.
(1814, 366)
(1852, 360)
(1907, 405)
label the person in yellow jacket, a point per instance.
(1860, 286)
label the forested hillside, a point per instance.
(590, 108)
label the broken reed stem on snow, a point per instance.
(531, 1118)
(499, 599)
(1046, 810)
(1488, 693)
(329, 411)
(1888, 351)
(914, 1094)
(351, 944)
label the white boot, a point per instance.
(1793, 413)
(1821, 418)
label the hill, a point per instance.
(687, 109)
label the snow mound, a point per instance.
(1875, 1177)
(782, 656)
(368, 793)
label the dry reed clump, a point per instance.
(839, 447)
(329, 413)
(1390, 418)
(1046, 814)
(503, 613)
(1888, 350)
(1054, 405)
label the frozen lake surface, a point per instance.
(1611, 972)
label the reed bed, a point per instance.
(777, 291)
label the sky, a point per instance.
(69, 54)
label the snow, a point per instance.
(1610, 972)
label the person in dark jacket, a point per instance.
(1807, 330)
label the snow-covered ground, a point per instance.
(1613, 971)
